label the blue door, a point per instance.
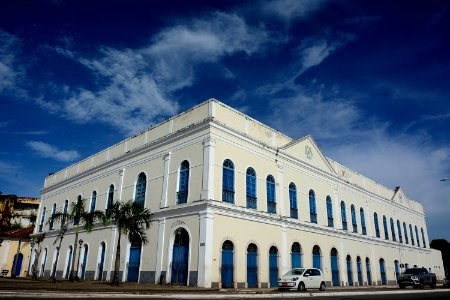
(383, 272)
(296, 260)
(102, 261)
(227, 265)
(252, 266)
(180, 258)
(397, 269)
(19, 264)
(334, 268)
(83, 267)
(349, 271)
(359, 269)
(369, 278)
(316, 258)
(134, 263)
(273, 266)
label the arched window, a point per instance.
(50, 226)
(271, 202)
(399, 229)
(228, 181)
(423, 238)
(394, 238)
(293, 200)
(382, 272)
(359, 270)
(343, 216)
(273, 266)
(182, 194)
(76, 218)
(354, 224)
(377, 227)
(330, 212)
(411, 234)
(66, 207)
(252, 266)
(312, 207)
(227, 264)
(316, 257)
(369, 277)
(417, 236)
(363, 221)
(405, 232)
(334, 267)
(349, 270)
(251, 188)
(141, 184)
(110, 197)
(93, 201)
(296, 256)
(385, 227)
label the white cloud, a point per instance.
(50, 151)
(9, 71)
(313, 55)
(136, 86)
(288, 10)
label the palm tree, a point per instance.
(37, 239)
(131, 219)
(80, 217)
(59, 237)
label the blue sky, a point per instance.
(369, 80)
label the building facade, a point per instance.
(235, 203)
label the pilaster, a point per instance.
(205, 249)
(160, 246)
(208, 168)
(163, 202)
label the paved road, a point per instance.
(347, 295)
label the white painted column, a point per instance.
(343, 264)
(284, 251)
(112, 251)
(208, 168)
(205, 249)
(337, 209)
(374, 267)
(163, 202)
(160, 248)
(369, 220)
(281, 189)
(120, 183)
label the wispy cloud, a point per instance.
(287, 10)
(46, 150)
(9, 70)
(135, 87)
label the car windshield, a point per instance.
(415, 271)
(295, 272)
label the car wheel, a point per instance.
(402, 286)
(301, 287)
(433, 285)
(322, 286)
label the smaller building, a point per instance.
(15, 252)
(17, 212)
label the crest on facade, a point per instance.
(308, 152)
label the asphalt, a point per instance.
(39, 288)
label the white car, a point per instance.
(300, 279)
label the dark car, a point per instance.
(416, 277)
(447, 282)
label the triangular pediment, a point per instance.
(307, 150)
(400, 197)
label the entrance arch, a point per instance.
(227, 264)
(18, 264)
(134, 260)
(334, 267)
(180, 257)
(273, 266)
(252, 266)
(296, 255)
(316, 257)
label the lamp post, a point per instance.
(31, 256)
(80, 242)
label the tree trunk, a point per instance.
(72, 263)
(115, 280)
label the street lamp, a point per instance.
(80, 242)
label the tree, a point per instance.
(59, 237)
(37, 239)
(131, 219)
(80, 218)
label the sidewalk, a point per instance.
(25, 284)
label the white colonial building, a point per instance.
(235, 203)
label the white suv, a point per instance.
(301, 279)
